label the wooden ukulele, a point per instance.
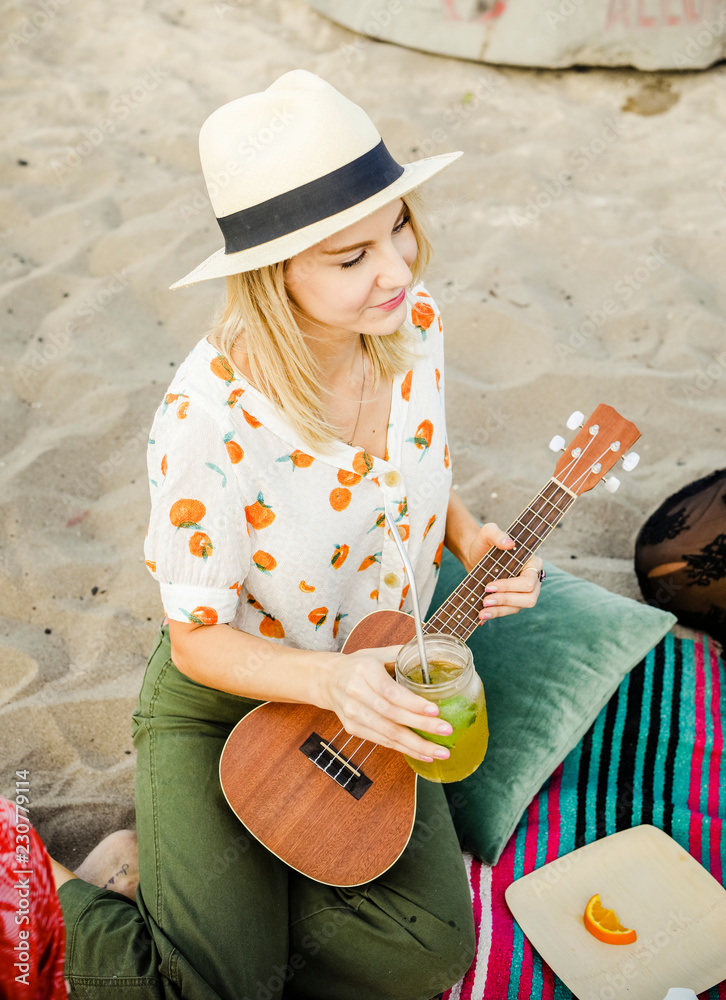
(340, 809)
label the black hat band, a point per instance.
(319, 199)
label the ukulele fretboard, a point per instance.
(459, 614)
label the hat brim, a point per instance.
(220, 264)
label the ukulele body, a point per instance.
(344, 825)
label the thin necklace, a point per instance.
(362, 391)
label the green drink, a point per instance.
(457, 689)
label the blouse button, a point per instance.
(392, 478)
(391, 580)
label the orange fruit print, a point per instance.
(362, 463)
(234, 450)
(298, 458)
(340, 498)
(406, 385)
(200, 545)
(258, 514)
(430, 525)
(339, 556)
(234, 397)
(182, 410)
(252, 421)
(346, 478)
(220, 367)
(447, 459)
(422, 316)
(336, 623)
(271, 627)
(318, 616)
(422, 437)
(201, 616)
(187, 513)
(306, 587)
(380, 521)
(264, 561)
(437, 557)
(151, 565)
(438, 376)
(368, 561)
(163, 466)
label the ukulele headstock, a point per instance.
(603, 440)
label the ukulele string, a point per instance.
(514, 561)
(329, 745)
(326, 746)
(359, 766)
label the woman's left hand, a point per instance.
(508, 595)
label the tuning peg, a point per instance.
(575, 420)
(611, 484)
(630, 460)
(557, 443)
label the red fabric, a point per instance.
(32, 937)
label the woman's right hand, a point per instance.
(372, 706)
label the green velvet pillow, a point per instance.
(547, 673)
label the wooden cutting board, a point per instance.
(655, 887)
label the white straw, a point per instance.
(414, 596)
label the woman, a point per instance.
(314, 405)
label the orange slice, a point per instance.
(604, 924)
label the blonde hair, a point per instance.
(257, 310)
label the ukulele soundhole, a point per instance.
(336, 766)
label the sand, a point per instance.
(580, 256)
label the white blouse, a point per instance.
(250, 525)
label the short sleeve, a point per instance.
(197, 547)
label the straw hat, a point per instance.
(290, 166)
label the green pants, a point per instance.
(218, 917)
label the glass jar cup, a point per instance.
(458, 691)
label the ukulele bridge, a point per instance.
(336, 765)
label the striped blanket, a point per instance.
(653, 755)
